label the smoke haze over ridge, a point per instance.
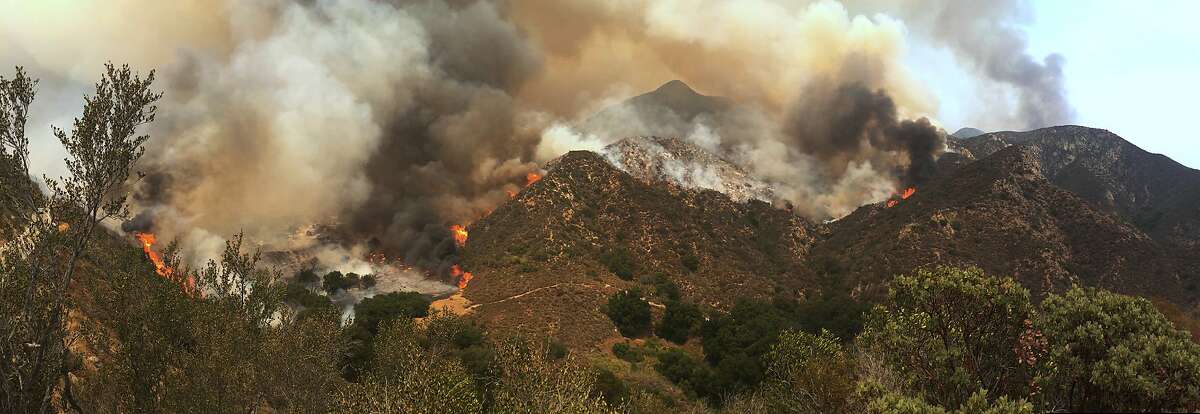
(397, 118)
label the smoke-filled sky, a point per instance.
(394, 118)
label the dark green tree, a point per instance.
(750, 328)
(619, 262)
(629, 312)
(678, 321)
(372, 311)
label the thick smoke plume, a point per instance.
(987, 37)
(854, 123)
(389, 120)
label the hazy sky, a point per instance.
(1131, 68)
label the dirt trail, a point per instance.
(519, 295)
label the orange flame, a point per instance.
(531, 178)
(148, 241)
(908, 192)
(463, 277)
(460, 235)
(160, 267)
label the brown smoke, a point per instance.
(397, 118)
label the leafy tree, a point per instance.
(831, 307)
(690, 261)
(664, 287)
(626, 353)
(1111, 352)
(892, 403)
(750, 328)
(408, 378)
(369, 313)
(333, 282)
(629, 312)
(47, 236)
(297, 295)
(614, 390)
(307, 277)
(448, 328)
(531, 382)
(808, 373)
(368, 281)
(736, 373)
(619, 262)
(678, 321)
(688, 373)
(948, 332)
(136, 321)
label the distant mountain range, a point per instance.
(1053, 208)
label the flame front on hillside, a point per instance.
(147, 241)
(463, 277)
(908, 192)
(460, 235)
(531, 178)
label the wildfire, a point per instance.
(908, 192)
(460, 235)
(463, 277)
(531, 178)
(148, 241)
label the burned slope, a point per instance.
(673, 161)
(1004, 215)
(552, 255)
(1156, 194)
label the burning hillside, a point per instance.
(681, 163)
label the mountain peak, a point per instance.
(676, 86)
(967, 132)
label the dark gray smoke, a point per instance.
(446, 158)
(851, 122)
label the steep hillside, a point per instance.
(550, 257)
(1003, 214)
(1158, 195)
(673, 161)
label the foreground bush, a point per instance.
(948, 332)
(407, 378)
(808, 373)
(1110, 352)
